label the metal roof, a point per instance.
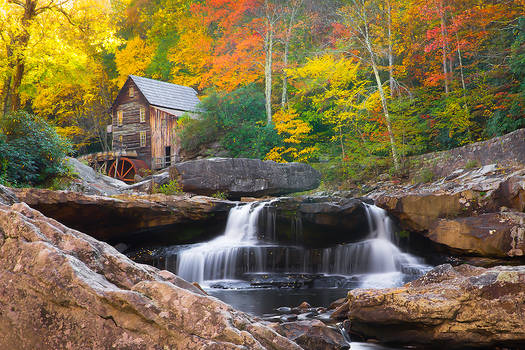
(167, 95)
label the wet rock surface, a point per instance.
(340, 220)
(453, 307)
(312, 334)
(61, 289)
(241, 177)
(176, 219)
(303, 324)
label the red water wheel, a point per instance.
(125, 168)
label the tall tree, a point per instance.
(270, 13)
(23, 13)
(218, 46)
(356, 17)
(290, 22)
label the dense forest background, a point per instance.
(355, 83)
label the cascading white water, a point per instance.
(219, 258)
(378, 255)
(240, 251)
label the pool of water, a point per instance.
(265, 301)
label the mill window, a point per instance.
(120, 117)
(142, 115)
(131, 91)
(142, 139)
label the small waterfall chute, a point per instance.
(220, 258)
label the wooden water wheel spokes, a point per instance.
(125, 168)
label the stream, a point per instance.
(247, 268)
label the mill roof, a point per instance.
(167, 95)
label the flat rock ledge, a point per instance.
(449, 307)
(123, 216)
(62, 289)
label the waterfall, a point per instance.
(220, 258)
(377, 256)
(245, 248)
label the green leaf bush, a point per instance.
(236, 120)
(31, 151)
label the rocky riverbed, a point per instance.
(60, 288)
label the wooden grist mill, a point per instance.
(145, 128)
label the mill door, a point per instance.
(167, 161)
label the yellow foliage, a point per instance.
(133, 59)
(287, 122)
(276, 154)
(296, 130)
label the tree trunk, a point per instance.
(17, 81)
(395, 156)
(342, 143)
(6, 95)
(461, 65)
(268, 71)
(444, 46)
(284, 96)
(21, 43)
(463, 85)
(390, 54)
(288, 37)
(384, 104)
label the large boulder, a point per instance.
(449, 307)
(239, 177)
(119, 218)
(492, 234)
(312, 334)
(506, 150)
(62, 289)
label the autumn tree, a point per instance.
(64, 77)
(218, 46)
(268, 14)
(294, 131)
(290, 23)
(134, 59)
(333, 88)
(356, 17)
(30, 25)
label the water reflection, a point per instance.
(265, 301)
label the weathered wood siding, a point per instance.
(131, 125)
(164, 133)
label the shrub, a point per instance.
(220, 195)
(425, 175)
(196, 133)
(171, 188)
(31, 152)
(472, 164)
